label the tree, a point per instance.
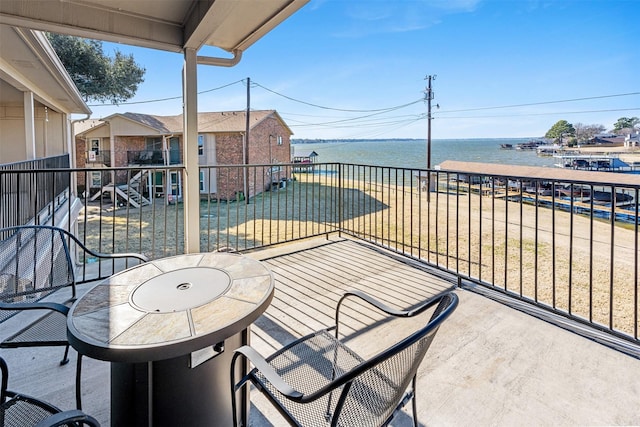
(97, 76)
(585, 133)
(626, 123)
(561, 129)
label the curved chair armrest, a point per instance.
(385, 308)
(67, 417)
(61, 308)
(372, 301)
(265, 369)
(141, 257)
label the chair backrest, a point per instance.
(379, 384)
(34, 261)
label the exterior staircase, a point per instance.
(128, 192)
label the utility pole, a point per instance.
(429, 97)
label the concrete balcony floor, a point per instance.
(489, 364)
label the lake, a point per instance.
(412, 153)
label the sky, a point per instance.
(357, 69)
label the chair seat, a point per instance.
(318, 380)
(19, 410)
(23, 411)
(35, 262)
(307, 365)
(49, 330)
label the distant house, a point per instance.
(632, 140)
(133, 139)
(608, 139)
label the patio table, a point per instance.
(169, 328)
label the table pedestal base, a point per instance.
(170, 392)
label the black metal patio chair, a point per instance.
(35, 262)
(318, 380)
(19, 410)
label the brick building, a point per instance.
(132, 139)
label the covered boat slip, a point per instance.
(489, 364)
(594, 162)
(537, 172)
(587, 192)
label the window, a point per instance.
(174, 183)
(279, 140)
(154, 143)
(200, 145)
(95, 146)
(96, 179)
(201, 180)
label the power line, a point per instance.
(541, 103)
(359, 122)
(337, 109)
(544, 114)
(359, 119)
(164, 99)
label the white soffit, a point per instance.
(28, 64)
(171, 25)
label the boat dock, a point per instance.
(595, 162)
(535, 185)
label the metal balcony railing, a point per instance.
(25, 195)
(568, 247)
(98, 157)
(154, 157)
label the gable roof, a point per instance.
(303, 152)
(80, 126)
(212, 122)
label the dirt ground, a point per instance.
(573, 263)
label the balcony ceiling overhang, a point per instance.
(29, 64)
(171, 25)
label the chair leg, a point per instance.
(78, 382)
(233, 390)
(414, 404)
(65, 358)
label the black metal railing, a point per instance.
(565, 246)
(25, 196)
(285, 203)
(568, 247)
(154, 157)
(100, 157)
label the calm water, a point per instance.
(413, 153)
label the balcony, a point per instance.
(547, 328)
(98, 157)
(154, 157)
(490, 365)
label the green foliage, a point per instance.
(97, 76)
(626, 123)
(561, 129)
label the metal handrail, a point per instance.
(556, 244)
